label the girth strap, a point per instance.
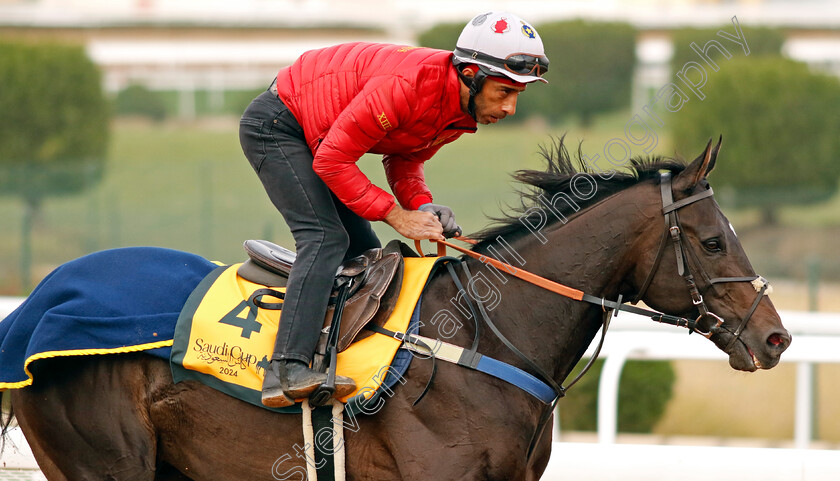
(479, 362)
(559, 391)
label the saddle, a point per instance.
(376, 278)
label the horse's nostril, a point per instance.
(779, 340)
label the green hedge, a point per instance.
(54, 122)
(644, 391)
(159, 104)
(140, 101)
(591, 71)
(760, 42)
(591, 68)
(53, 128)
(442, 36)
(779, 122)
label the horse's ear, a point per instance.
(715, 152)
(699, 168)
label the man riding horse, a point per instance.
(304, 135)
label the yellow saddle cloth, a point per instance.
(223, 339)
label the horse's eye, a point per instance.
(713, 245)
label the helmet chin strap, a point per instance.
(474, 83)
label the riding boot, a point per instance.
(273, 385)
(288, 380)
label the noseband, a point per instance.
(674, 233)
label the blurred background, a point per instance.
(119, 127)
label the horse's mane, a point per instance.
(557, 178)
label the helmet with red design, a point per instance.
(501, 45)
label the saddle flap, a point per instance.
(378, 272)
(357, 265)
(253, 272)
(367, 303)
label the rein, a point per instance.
(569, 292)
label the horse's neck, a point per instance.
(590, 253)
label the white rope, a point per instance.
(309, 441)
(339, 456)
(338, 440)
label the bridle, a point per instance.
(674, 233)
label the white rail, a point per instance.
(638, 462)
(17, 462)
(9, 304)
(815, 340)
(816, 337)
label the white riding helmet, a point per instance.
(502, 44)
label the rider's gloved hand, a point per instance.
(446, 216)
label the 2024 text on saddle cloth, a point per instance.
(225, 341)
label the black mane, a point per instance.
(557, 178)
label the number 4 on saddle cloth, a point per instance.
(226, 331)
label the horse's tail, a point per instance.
(7, 416)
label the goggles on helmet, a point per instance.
(518, 63)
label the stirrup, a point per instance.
(334, 387)
(322, 394)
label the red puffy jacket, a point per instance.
(350, 99)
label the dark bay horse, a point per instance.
(120, 417)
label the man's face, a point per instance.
(495, 101)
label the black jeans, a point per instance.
(326, 232)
